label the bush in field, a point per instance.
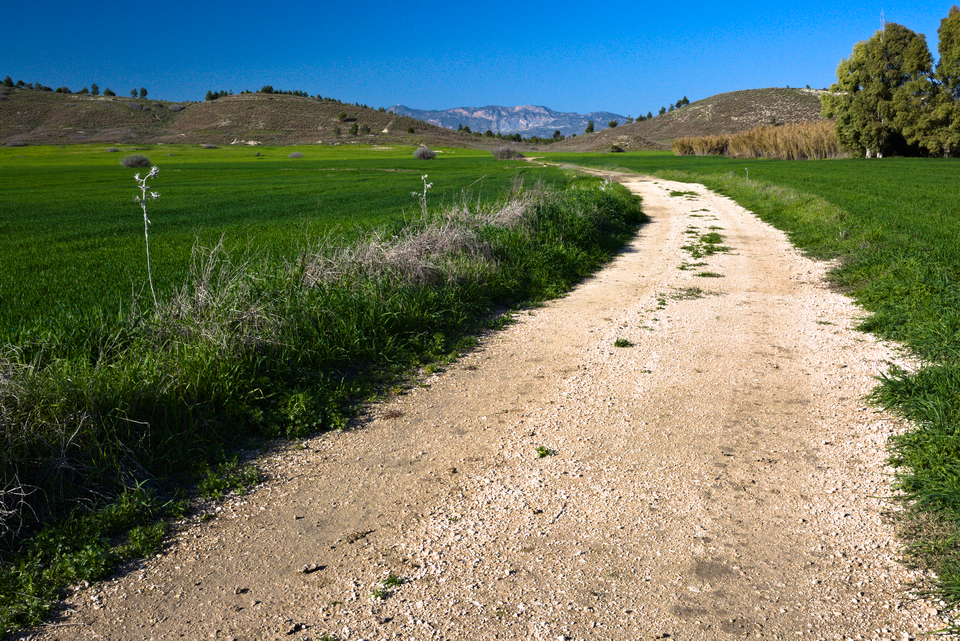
(424, 153)
(295, 154)
(111, 150)
(616, 149)
(135, 160)
(208, 145)
(506, 153)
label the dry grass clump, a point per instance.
(445, 249)
(111, 150)
(800, 141)
(208, 145)
(135, 160)
(176, 108)
(295, 154)
(222, 302)
(424, 153)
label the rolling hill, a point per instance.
(725, 113)
(43, 117)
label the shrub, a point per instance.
(425, 153)
(135, 160)
(295, 154)
(616, 149)
(365, 129)
(14, 143)
(177, 107)
(337, 132)
(506, 153)
(111, 150)
(208, 145)
(354, 129)
(342, 116)
(108, 92)
(410, 130)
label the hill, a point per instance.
(42, 117)
(725, 113)
(526, 120)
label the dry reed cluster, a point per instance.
(800, 141)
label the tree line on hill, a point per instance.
(93, 89)
(615, 123)
(890, 98)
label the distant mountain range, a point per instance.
(526, 120)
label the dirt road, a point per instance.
(715, 479)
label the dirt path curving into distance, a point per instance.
(715, 480)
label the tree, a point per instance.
(94, 89)
(686, 101)
(557, 135)
(589, 128)
(612, 124)
(663, 110)
(108, 92)
(649, 115)
(8, 82)
(143, 92)
(862, 99)
(948, 69)
(354, 129)
(133, 93)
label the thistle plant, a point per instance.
(142, 199)
(423, 197)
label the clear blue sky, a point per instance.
(579, 57)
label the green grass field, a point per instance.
(71, 235)
(111, 419)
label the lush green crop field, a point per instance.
(71, 235)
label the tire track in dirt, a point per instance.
(715, 480)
